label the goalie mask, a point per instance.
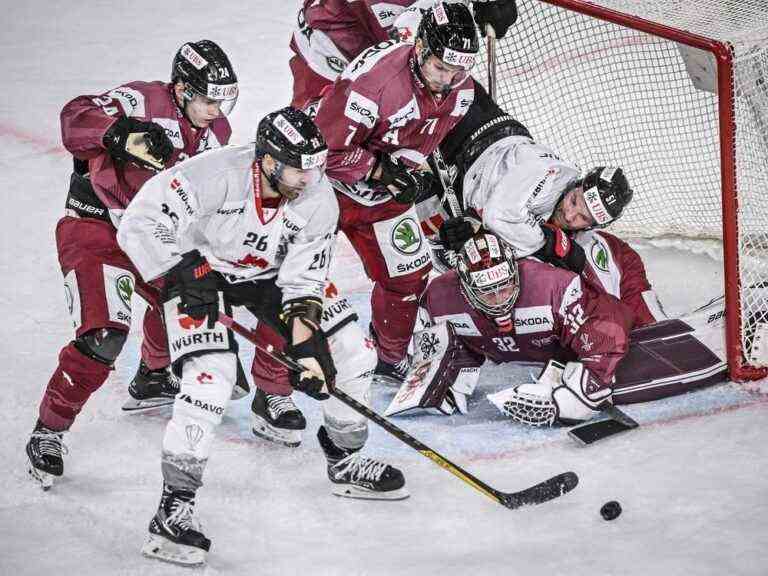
(206, 72)
(489, 278)
(294, 141)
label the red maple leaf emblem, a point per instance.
(251, 261)
(331, 291)
(189, 323)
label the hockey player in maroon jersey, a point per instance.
(506, 310)
(118, 140)
(389, 109)
(330, 34)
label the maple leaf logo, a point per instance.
(251, 261)
(331, 291)
(189, 323)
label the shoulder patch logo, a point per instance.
(405, 236)
(124, 285)
(599, 256)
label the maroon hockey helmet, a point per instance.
(489, 277)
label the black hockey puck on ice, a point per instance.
(610, 510)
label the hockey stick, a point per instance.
(490, 48)
(616, 421)
(537, 494)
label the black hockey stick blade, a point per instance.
(541, 492)
(615, 423)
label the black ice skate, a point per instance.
(276, 418)
(391, 374)
(175, 534)
(151, 389)
(356, 476)
(45, 449)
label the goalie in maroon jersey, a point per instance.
(506, 310)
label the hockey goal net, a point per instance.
(675, 92)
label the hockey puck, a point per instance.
(610, 510)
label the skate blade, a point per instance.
(387, 381)
(134, 405)
(167, 551)
(238, 392)
(43, 478)
(352, 491)
(260, 428)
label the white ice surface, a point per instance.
(692, 480)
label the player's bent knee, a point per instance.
(102, 344)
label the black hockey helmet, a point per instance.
(489, 277)
(205, 69)
(448, 31)
(606, 194)
(291, 137)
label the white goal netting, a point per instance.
(600, 92)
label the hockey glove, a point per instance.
(500, 14)
(455, 231)
(580, 395)
(406, 184)
(560, 250)
(319, 377)
(143, 143)
(197, 286)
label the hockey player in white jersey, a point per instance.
(253, 228)
(538, 203)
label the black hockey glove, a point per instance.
(560, 250)
(197, 285)
(315, 354)
(143, 143)
(500, 14)
(455, 231)
(405, 183)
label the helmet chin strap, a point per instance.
(276, 175)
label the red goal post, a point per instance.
(675, 92)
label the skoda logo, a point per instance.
(599, 256)
(124, 284)
(405, 236)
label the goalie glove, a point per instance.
(580, 395)
(143, 143)
(564, 394)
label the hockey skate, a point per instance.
(151, 389)
(175, 534)
(276, 418)
(44, 450)
(356, 476)
(391, 374)
(156, 388)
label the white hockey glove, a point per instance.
(580, 395)
(564, 394)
